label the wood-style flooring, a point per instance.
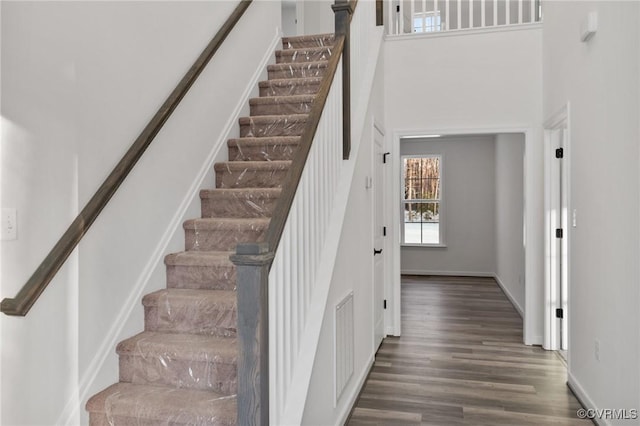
(461, 361)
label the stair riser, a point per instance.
(272, 152)
(285, 56)
(297, 72)
(250, 178)
(290, 89)
(207, 320)
(203, 375)
(281, 127)
(220, 239)
(281, 108)
(238, 207)
(201, 277)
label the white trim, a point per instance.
(347, 407)
(531, 334)
(464, 32)
(112, 337)
(507, 293)
(583, 398)
(423, 272)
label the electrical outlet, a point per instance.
(596, 349)
(8, 224)
(574, 219)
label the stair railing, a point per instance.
(279, 273)
(429, 16)
(31, 291)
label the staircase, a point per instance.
(181, 370)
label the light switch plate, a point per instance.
(8, 224)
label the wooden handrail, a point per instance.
(43, 275)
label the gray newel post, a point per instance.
(343, 10)
(253, 261)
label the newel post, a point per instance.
(343, 10)
(252, 268)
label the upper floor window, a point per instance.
(425, 22)
(422, 185)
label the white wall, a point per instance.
(497, 76)
(79, 81)
(600, 80)
(318, 16)
(510, 254)
(353, 271)
(468, 215)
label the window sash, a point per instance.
(422, 217)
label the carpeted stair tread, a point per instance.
(200, 258)
(210, 270)
(263, 149)
(273, 125)
(303, 54)
(223, 233)
(181, 346)
(209, 312)
(313, 40)
(290, 86)
(133, 404)
(297, 70)
(281, 105)
(209, 223)
(181, 360)
(251, 174)
(238, 202)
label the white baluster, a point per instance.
(520, 9)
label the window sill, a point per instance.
(424, 245)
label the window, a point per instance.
(426, 22)
(421, 203)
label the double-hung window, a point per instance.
(421, 203)
(427, 22)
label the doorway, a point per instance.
(530, 299)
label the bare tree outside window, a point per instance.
(422, 196)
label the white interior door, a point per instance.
(378, 239)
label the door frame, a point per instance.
(532, 223)
(558, 121)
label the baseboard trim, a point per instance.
(85, 385)
(356, 391)
(583, 398)
(507, 293)
(447, 273)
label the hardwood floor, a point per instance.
(461, 361)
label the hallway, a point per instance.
(461, 361)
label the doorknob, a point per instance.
(377, 251)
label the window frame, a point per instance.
(424, 16)
(440, 201)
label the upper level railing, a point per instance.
(275, 278)
(43, 275)
(432, 16)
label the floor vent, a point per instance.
(343, 344)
